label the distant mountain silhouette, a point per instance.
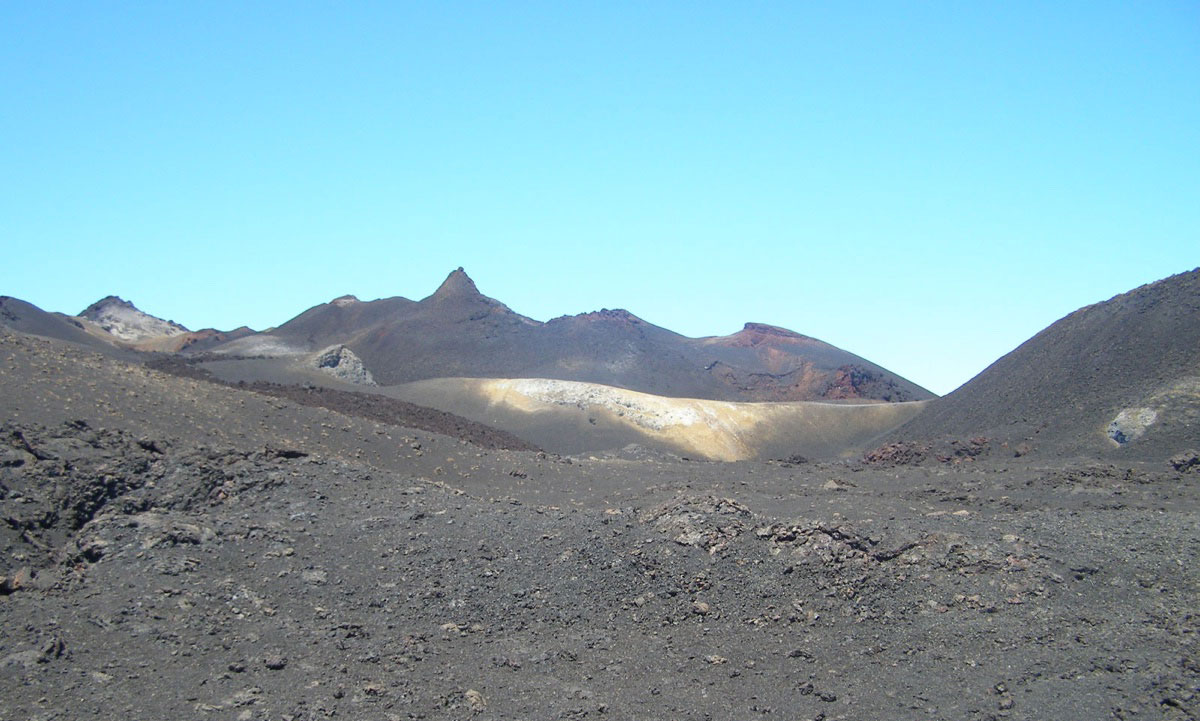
(1119, 375)
(112, 325)
(459, 332)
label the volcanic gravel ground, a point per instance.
(175, 549)
(271, 584)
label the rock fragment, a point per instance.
(1188, 461)
(15, 582)
(475, 700)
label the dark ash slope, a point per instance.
(1061, 389)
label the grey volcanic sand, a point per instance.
(195, 551)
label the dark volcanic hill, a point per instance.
(459, 332)
(1123, 374)
(28, 318)
(114, 326)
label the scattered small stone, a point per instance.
(701, 608)
(54, 648)
(714, 659)
(151, 445)
(275, 662)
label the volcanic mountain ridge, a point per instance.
(459, 332)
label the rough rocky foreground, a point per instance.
(266, 560)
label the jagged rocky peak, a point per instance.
(602, 317)
(457, 285)
(107, 303)
(760, 334)
(765, 329)
(123, 319)
(615, 314)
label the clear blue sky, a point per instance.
(924, 184)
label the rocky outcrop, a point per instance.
(123, 320)
(341, 363)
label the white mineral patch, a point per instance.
(259, 345)
(1130, 424)
(642, 409)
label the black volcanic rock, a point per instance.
(459, 332)
(1062, 389)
